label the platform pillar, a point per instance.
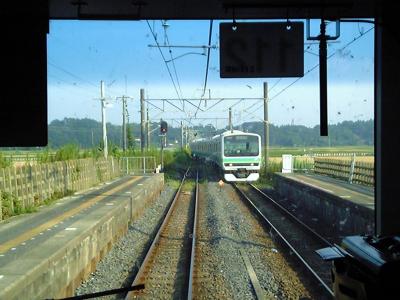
(387, 113)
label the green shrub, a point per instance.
(4, 162)
(67, 152)
(12, 206)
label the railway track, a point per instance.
(293, 234)
(168, 267)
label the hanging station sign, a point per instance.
(259, 50)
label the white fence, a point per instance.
(137, 165)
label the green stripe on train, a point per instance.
(240, 160)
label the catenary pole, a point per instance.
(103, 118)
(124, 145)
(148, 129)
(142, 121)
(182, 135)
(230, 119)
(266, 126)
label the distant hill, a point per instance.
(347, 133)
(87, 133)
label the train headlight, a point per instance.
(252, 164)
(230, 165)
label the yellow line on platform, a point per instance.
(35, 231)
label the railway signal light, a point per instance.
(163, 127)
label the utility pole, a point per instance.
(162, 153)
(125, 122)
(186, 136)
(103, 118)
(142, 121)
(124, 144)
(148, 129)
(266, 126)
(92, 139)
(181, 135)
(230, 119)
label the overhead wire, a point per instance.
(163, 57)
(207, 65)
(75, 76)
(172, 60)
(73, 85)
(316, 66)
(71, 74)
(269, 90)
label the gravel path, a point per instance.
(115, 270)
(226, 228)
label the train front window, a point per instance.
(241, 145)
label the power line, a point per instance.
(74, 85)
(209, 99)
(74, 75)
(316, 66)
(274, 85)
(207, 65)
(172, 59)
(163, 57)
(208, 57)
(269, 90)
(71, 74)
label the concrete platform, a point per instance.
(348, 207)
(47, 254)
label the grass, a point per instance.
(4, 162)
(12, 206)
(189, 185)
(303, 161)
(278, 151)
(173, 183)
(176, 164)
(57, 195)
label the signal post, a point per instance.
(163, 134)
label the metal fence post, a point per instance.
(353, 162)
(144, 165)
(131, 208)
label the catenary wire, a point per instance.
(163, 57)
(207, 65)
(313, 68)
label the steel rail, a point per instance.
(288, 244)
(194, 234)
(293, 217)
(156, 239)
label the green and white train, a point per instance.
(237, 153)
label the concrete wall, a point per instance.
(57, 267)
(346, 217)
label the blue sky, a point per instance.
(81, 53)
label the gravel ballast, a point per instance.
(228, 229)
(118, 267)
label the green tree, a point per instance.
(129, 137)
